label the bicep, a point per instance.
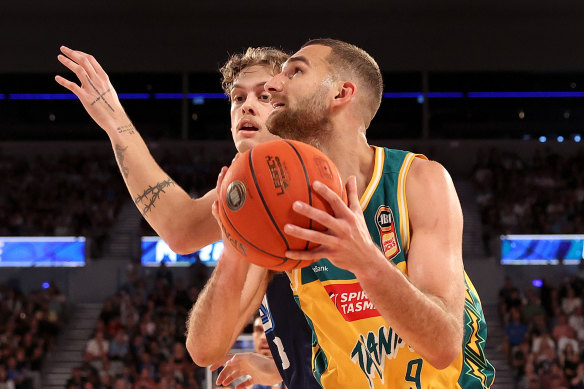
(435, 257)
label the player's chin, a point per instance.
(245, 143)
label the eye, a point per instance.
(294, 71)
(237, 98)
(264, 97)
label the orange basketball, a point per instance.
(256, 196)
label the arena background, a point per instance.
(434, 56)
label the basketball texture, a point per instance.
(256, 197)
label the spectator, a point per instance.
(96, 350)
(570, 359)
(570, 302)
(515, 332)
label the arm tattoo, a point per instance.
(100, 96)
(146, 200)
(120, 158)
(129, 128)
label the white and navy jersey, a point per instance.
(288, 334)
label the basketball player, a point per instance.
(187, 224)
(391, 305)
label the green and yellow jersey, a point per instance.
(353, 346)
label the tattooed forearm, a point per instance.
(120, 158)
(129, 128)
(100, 96)
(146, 200)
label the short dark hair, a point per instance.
(268, 56)
(350, 61)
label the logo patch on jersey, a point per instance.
(351, 301)
(387, 235)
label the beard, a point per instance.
(308, 122)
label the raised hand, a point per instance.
(96, 92)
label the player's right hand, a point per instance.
(96, 92)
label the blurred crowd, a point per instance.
(541, 195)
(29, 325)
(68, 194)
(139, 339)
(544, 328)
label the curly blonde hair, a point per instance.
(268, 56)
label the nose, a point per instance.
(248, 106)
(275, 84)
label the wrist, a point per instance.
(368, 266)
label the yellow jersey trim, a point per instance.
(375, 178)
(404, 225)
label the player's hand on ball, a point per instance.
(346, 241)
(96, 92)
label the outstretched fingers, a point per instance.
(96, 66)
(81, 59)
(73, 87)
(74, 67)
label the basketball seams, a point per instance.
(257, 185)
(226, 217)
(307, 180)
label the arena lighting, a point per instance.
(523, 94)
(537, 283)
(577, 138)
(560, 139)
(2, 96)
(41, 96)
(45, 285)
(536, 249)
(134, 96)
(542, 139)
(56, 251)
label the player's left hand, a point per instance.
(346, 238)
(250, 368)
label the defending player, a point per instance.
(187, 224)
(391, 307)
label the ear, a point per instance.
(345, 93)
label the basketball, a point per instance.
(256, 197)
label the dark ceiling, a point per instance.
(181, 35)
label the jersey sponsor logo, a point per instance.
(279, 174)
(318, 269)
(351, 301)
(371, 350)
(386, 225)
